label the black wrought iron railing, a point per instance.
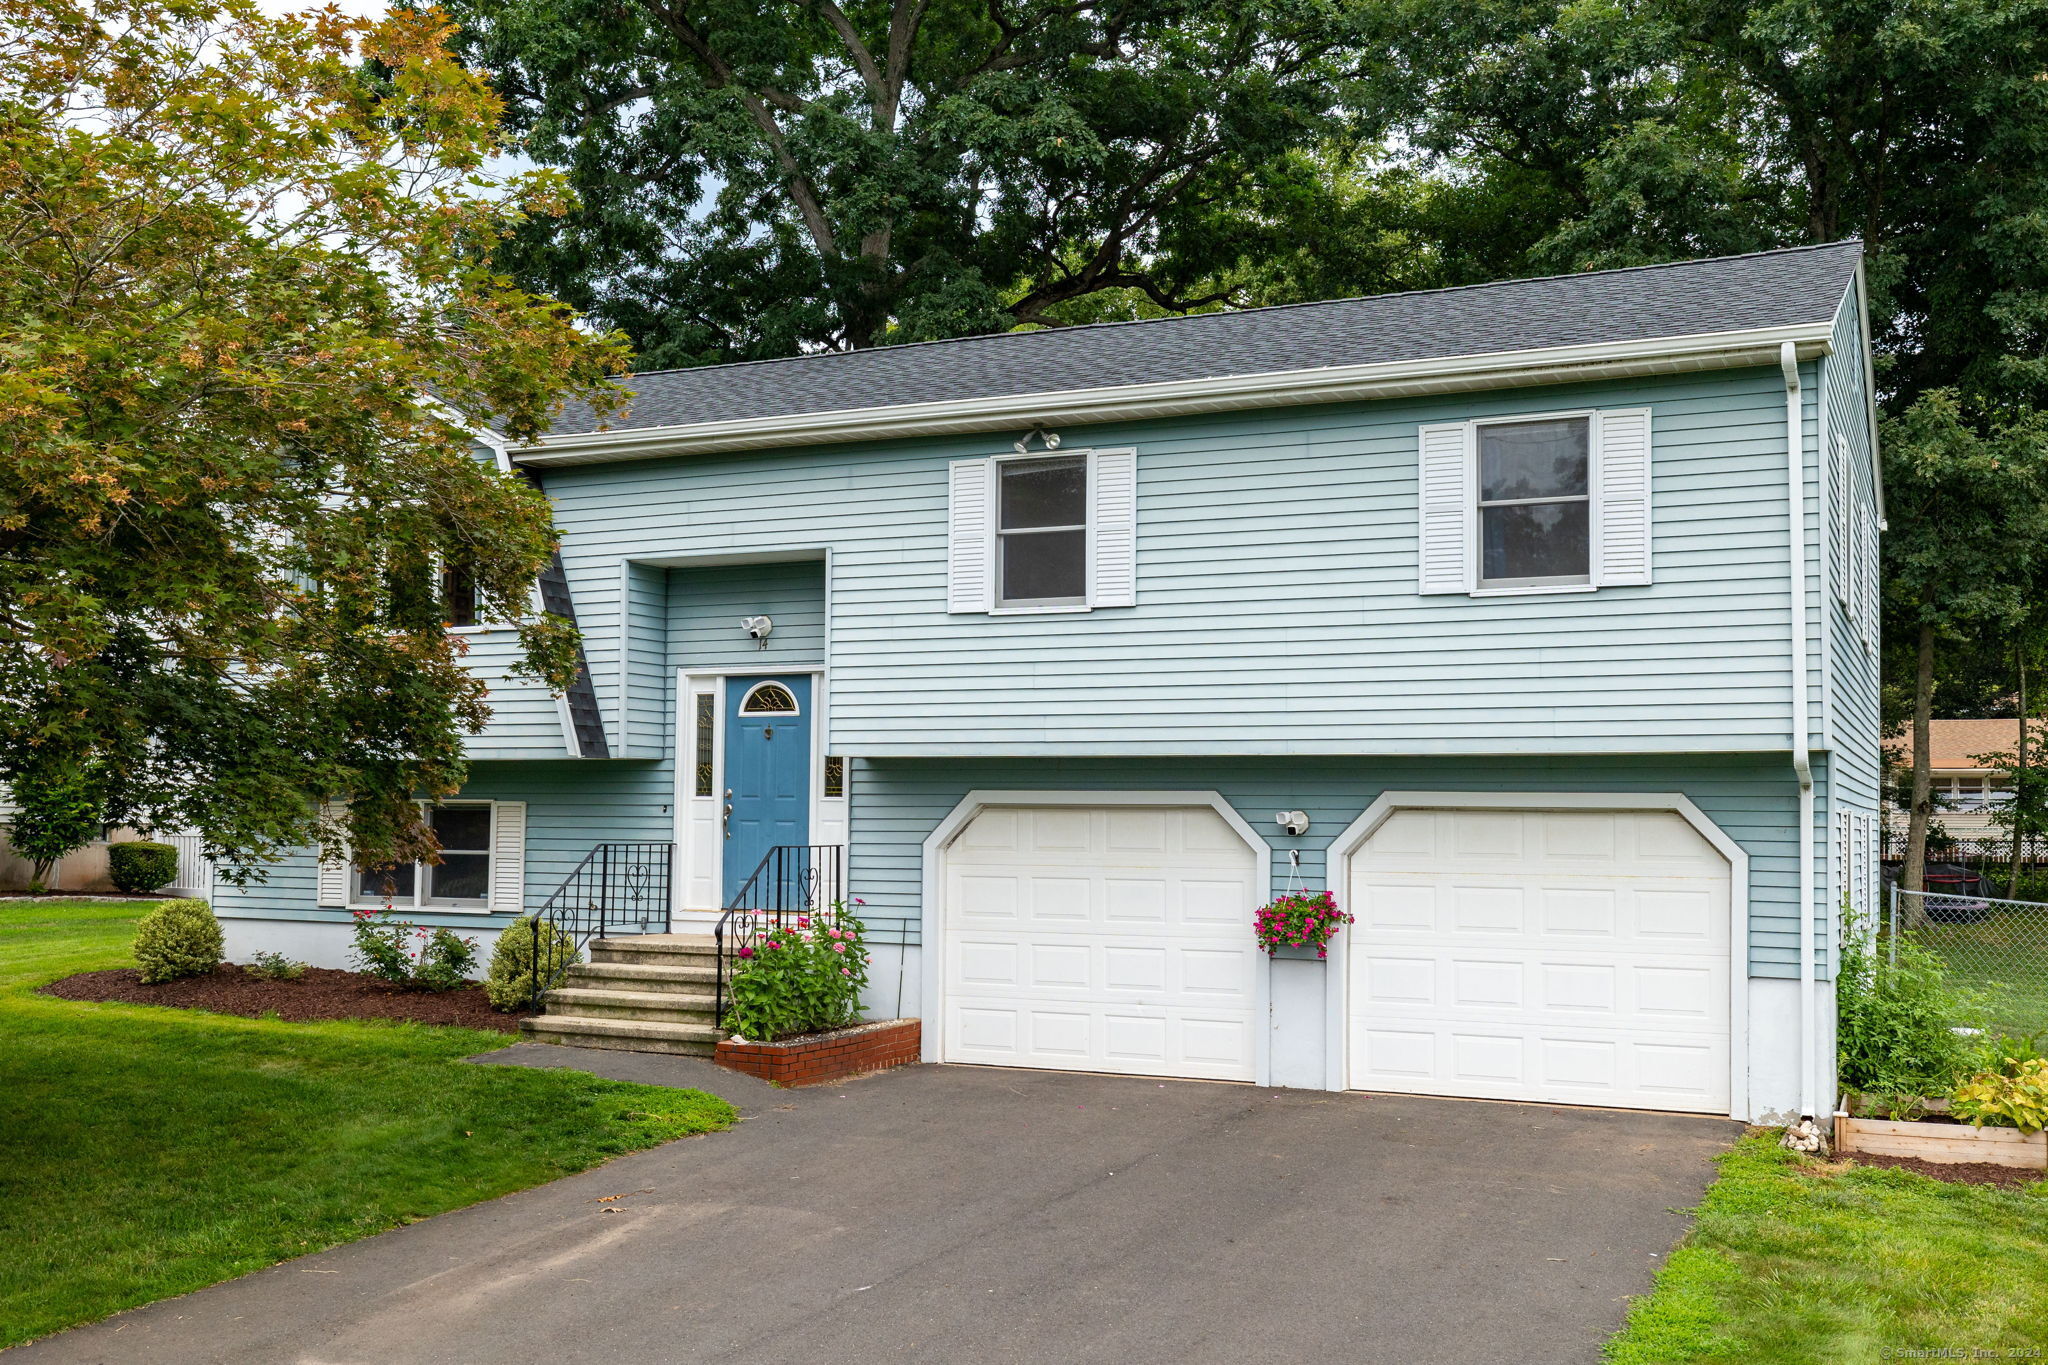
(618, 888)
(792, 880)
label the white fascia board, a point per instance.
(1133, 402)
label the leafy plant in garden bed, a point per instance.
(407, 955)
(801, 978)
(178, 938)
(1898, 1015)
(1299, 919)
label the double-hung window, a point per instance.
(1549, 502)
(1042, 532)
(1535, 503)
(460, 881)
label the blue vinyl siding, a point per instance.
(707, 605)
(572, 806)
(526, 718)
(641, 724)
(1277, 605)
(897, 803)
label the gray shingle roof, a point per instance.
(1684, 298)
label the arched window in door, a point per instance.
(768, 699)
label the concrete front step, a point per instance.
(657, 950)
(642, 976)
(623, 1035)
(654, 1006)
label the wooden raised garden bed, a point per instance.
(1946, 1142)
(821, 1058)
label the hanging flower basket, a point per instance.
(1299, 919)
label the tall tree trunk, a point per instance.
(2019, 784)
(1913, 877)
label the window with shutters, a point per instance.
(1043, 533)
(1550, 502)
(461, 880)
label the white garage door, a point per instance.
(1576, 956)
(1113, 939)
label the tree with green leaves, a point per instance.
(241, 300)
(57, 809)
(758, 179)
(1968, 503)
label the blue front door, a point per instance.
(767, 771)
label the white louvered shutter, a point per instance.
(1113, 528)
(1841, 556)
(508, 858)
(1621, 547)
(1866, 578)
(332, 885)
(1447, 506)
(969, 554)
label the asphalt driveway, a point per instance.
(954, 1214)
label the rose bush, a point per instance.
(406, 955)
(802, 976)
(1300, 919)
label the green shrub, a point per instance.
(406, 955)
(178, 938)
(510, 984)
(1898, 1017)
(2014, 1096)
(799, 978)
(140, 866)
(276, 967)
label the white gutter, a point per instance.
(1802, 758)
(1131, 402)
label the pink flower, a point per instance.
(839, 947)
(846, 971)
(803, 921)
(858, 901)
(773, 944)
(746, 952)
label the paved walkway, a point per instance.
(963, 1215)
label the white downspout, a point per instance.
(1802, 762)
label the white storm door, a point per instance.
(1564, 956)
(1101, 939)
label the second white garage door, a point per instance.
(1101, 939)
(1575, 956)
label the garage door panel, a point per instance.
(1128, 948)
(1553, 1065)
(1214, 1045)
(1595, 971)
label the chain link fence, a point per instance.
(1989, 944)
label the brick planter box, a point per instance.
(826, 1057)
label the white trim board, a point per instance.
(1131, 402)
(1353, 837)
(931, 923)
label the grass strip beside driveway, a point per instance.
(1796, 1261)
(147, 1152)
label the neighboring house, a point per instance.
(84, 870)
(1966, 789)
(1492, 584)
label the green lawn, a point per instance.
(2005, 956)
(1794, 1262)
(146, 1152)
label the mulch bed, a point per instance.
(1960, 1172)
(321, 993)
